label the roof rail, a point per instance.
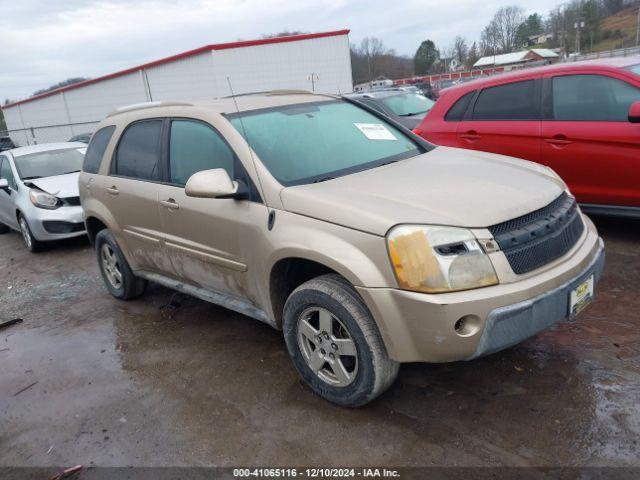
(143, 105)
(289, 92)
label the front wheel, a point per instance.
(335, 344)
(115, 270)
(30, 242)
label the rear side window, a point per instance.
(592, 98)
(194, 147)
(138, 154)
(457, 111)
(514, 101)
(95, 151)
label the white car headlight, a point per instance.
(435, 259)
(44, 200)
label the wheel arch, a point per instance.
(289, 272)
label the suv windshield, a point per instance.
(49, 164)
(408, 104)
(318, 141)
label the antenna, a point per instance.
(246, 139)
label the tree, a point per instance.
(613, 6)
(373, 59)
(284, 33)
(460, 50)
(502, 31)
(64, 83)
(473, 56)
(426, 55)
(531, 26)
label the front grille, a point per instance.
(72, 201)
(537, 238)
(57, 226)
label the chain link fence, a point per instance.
(48, 133)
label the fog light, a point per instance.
(467, 326)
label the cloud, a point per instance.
(44, 42)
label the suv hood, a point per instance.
(446, 186)
(61, 186)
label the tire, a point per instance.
(349, 378)
(30, 241)
(4, 229)
(115, 270)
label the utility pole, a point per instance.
(638, 27)
(578, 26)
(313, 77)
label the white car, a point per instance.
(39, 192)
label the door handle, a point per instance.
(470, 135)
(113, 190)
(170, 203)
(558, 141)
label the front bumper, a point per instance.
(64, 222)
(510, 325)
(419, 327)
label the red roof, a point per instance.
(189, 53)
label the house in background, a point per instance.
(540, 39)
(535, 56)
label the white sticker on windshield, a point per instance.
(82, 150)
(375, 131)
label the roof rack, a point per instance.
(143, 105)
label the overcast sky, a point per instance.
(46, 41)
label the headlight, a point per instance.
(43, 200)
(438, 259)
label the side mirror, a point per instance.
(4, 184)
(634, 112)
(214, 183)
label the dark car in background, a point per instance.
(405, 107)
(6, 144)
(81, 137)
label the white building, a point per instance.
(317, 61)
(518, 58)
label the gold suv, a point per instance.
(366, 245)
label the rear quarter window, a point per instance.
(138, 153)
(459, 108)
(96, 149)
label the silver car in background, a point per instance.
(39, 192)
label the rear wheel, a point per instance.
(30, 242)
(335, 344)
(116, 272)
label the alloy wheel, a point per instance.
(327, 347)
(110, 266)
(26, 234)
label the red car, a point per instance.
(581, 119)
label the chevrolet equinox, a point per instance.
(366, 245)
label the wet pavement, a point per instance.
(171, 380)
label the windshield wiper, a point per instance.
(72, 171)
(32, 177)
(323, 179)
(412, 114)
(388, 163)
